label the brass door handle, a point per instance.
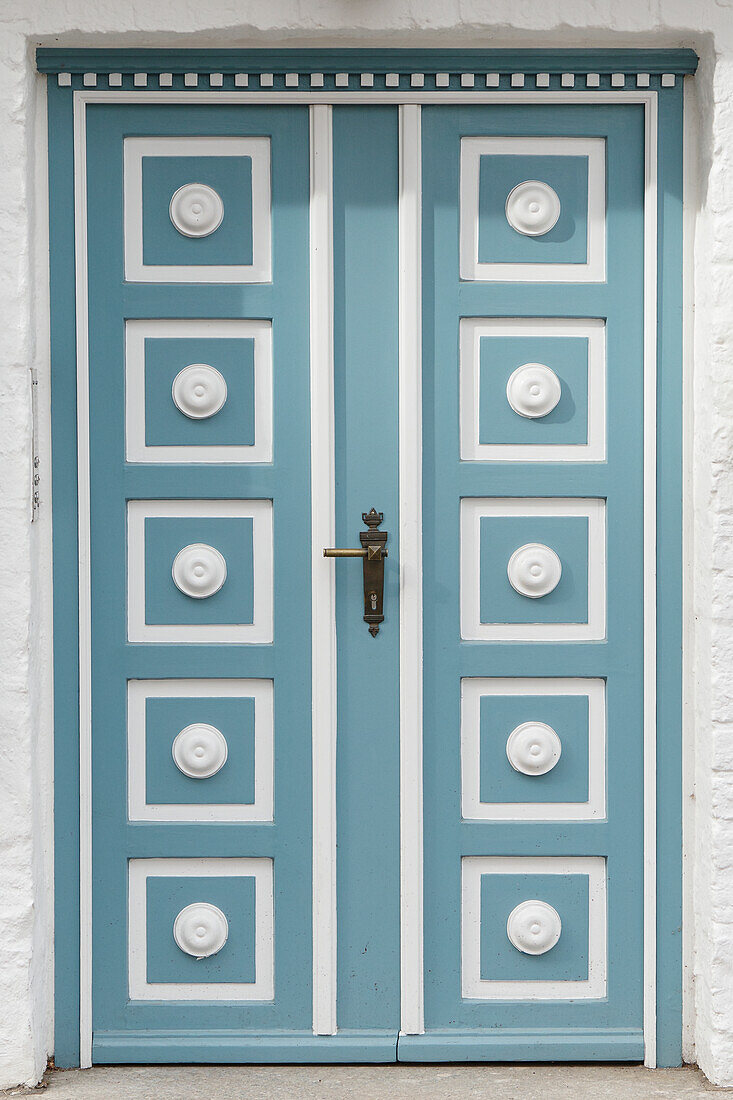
(373, 551)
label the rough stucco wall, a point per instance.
(25, 710)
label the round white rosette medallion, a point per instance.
(534, 927)
(534, 570)
(199, 391)
(533, 390)
(532, 208)
(201, 929)
(200, 750)
(196, 210)
(533, 748)
(199, 570)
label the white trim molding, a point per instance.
(474, 509)
(473, 689)
(474, 986)
(137, 331)
(593, 150)
(256, 632)
(411, 626)
(651, 230)
(411, 89)
(140, 870)
(257, 150)
(323, 584)
(138, 693)
(473, 330)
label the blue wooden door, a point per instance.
(302, 841)
(533, 550)
(199, 461)
(202, 892)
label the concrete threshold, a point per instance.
(393, 1082)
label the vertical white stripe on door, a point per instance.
(411, 648)
(651, 230)
(322, 577)
(85, 590)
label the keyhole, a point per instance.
(373, 598)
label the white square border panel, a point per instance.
(594, 269)
(474, 986)
(472, 329)
(140, 989)
(258, 148)
(257, 632)
(136, 333)
(139, 691)
(473, 689)
(473, 509)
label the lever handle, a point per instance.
(373, 551)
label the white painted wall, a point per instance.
(25, 656)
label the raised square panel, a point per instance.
(237, 539)
(241, 711)
(571, 789)
(575, 967)
(240, 889)
(224, 237)
(555, 235)
(569, 529)
(494, 351)
(157, 429)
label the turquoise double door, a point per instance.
(478, 894)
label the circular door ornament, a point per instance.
(200, 750)
(533, 390)
(199, 570)
(532, 208)
(196, 210)
(534, 927)
(533, 748)
(534, 570)
(201, 929)
(199, 391)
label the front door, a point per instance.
(393, 804)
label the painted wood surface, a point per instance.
(482, 999)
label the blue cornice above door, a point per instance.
(388, 69)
